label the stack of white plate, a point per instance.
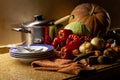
(41, 51)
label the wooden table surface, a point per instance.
(12, 69)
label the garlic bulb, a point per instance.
(114, 44)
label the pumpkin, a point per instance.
(93, 16)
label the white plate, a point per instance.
(44, 47)
(45, 53)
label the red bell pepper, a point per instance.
(58, 43)
(64, 33)
(65, 54)
(85, 38)
(72, 42)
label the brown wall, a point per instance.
(13, 12)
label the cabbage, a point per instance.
(78, 28)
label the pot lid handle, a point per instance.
(38, 17)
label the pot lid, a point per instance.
(39, 21)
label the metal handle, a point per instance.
(62, 19)
(21, 30)
(83, 55)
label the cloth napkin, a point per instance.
(60, 65)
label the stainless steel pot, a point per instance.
(34, 32)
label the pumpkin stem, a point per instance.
(92, 10)
(73, 16)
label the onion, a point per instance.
(85, 47)
(98, 42)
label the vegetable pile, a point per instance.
(70, 45)
(67, 43)
(88, 31)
